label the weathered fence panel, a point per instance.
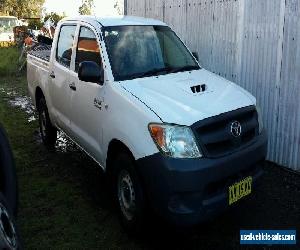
(287, 146)
(253, 43)
(261, 57)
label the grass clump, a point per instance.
(9, 61)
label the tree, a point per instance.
(86, 7)
(38, 23)
(35, 24)
(3, 7)
(54, 17)
(22, 8)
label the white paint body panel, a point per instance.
(170, 96)
(8, 36)
(128, 106)
(116, 20)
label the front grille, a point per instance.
(214, 133)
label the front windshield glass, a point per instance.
(141, 51)
(7, 24)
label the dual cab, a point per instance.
(171, 135)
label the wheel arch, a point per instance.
(115, 146)
(38, 95)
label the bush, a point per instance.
(35, 24)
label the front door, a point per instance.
(87, 97)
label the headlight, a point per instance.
(175, 141)
(259, 117)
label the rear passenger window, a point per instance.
(87, 48)
(65, 44)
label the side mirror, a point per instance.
(195, 54)
(90, 71)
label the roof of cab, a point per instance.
(117, 20)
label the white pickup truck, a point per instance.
(171, 135)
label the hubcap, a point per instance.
(126, 195)
(8, 238)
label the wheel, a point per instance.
(8, 179)
(128, 194)
(9, 237)
(47, 130)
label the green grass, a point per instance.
(8, 63)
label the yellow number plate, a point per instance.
(240, 190)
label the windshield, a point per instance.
(140, 51)
(7, 24)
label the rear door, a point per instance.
(87, 97)
(59, 88)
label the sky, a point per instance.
(70, 7)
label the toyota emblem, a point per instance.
(236, 129)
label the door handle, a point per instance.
(52, 75)
(72, 86)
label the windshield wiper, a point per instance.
(152, 72)
(166, 70)
(184, 68)
(160, 71)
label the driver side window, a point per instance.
(87, 48)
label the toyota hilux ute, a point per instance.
(170, 135)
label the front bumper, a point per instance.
(188, 191)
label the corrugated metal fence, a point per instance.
(254, 43)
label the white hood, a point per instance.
(171, 98)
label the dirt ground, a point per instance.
(64, 203)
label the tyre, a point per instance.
(8, 179)
(47, 130)
(128, 194)
(9, 237)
